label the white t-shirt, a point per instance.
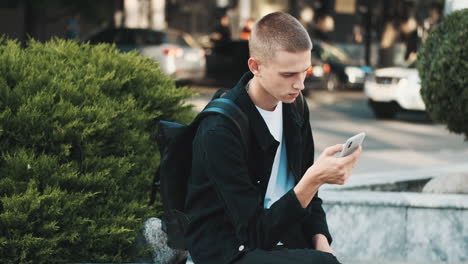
(281, 181)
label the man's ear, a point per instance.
(254, 66)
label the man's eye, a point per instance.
(288, 74)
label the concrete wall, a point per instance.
(398, 227)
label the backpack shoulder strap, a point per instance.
(219, 93)
(228, 108)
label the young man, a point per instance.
(258, 203)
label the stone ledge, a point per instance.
(396, 199)
(377, 261)
(380, 178)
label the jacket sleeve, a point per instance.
(316, 222)
(219, 153)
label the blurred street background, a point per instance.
(363, 75)
(347, 34)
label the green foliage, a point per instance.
(443, 67)
(77, 156)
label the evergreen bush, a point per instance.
(443, 67)
(76, 150)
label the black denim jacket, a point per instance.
(226, 190)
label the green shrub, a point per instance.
(443, 67)
(76, 151)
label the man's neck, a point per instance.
(260, 97)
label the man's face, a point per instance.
(283, 76)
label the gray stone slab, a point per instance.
(367, 232)
(375, 261)
(156, 238)
(390, 177)
(401, 227)
(457, 183)
(435, 235)
(399, 199)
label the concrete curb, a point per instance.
(377, 178)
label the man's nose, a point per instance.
(299, 83)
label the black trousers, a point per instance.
(287, 256)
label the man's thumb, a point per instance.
(330, 151)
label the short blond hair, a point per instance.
(277, 31)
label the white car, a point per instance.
(390, 90)
(177, 53)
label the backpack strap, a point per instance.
(218, 94)
(228, 108)
(220, 106)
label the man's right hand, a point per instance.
(332, 170)
(326, 169)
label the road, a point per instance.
(409, 142)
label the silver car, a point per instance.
(176, 52)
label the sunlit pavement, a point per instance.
(409, 142)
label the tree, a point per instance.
(443, 67)
(78, 155)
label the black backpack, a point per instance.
(175, 146)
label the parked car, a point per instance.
(318, 76)
(177, 53)
(390, 90)
(344, 72)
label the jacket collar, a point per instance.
(257, 125)
(291, 118)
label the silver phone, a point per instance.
(352, 144)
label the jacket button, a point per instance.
(241, 247)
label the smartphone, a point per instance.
(352, 144)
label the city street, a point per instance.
(409, 142)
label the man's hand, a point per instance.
(326, 169)
(332, 170)
(320, 242)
